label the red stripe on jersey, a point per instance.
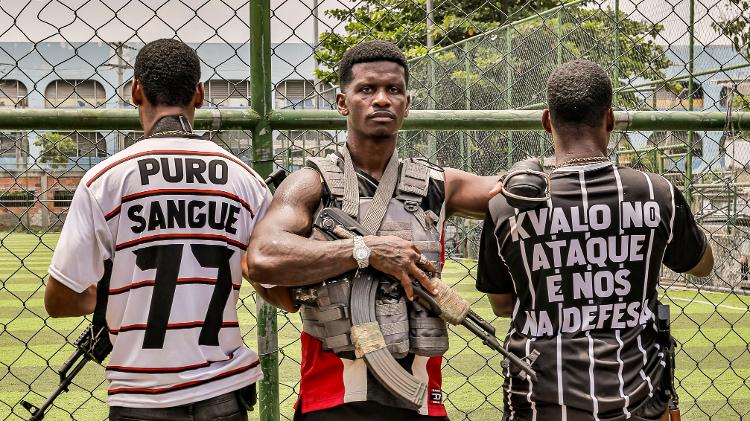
(322, 376)
(151, 282)
(125, 369)
(115, 291)
(188, 192)
(181, 325)
(173, 152)
(157, 390)
(159, 237)
(112, 213)
(435, 383)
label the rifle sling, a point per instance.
(102, 296)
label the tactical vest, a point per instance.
(406, 326)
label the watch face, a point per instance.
(360, 254)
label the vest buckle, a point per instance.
(411, 205)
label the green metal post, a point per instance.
(689, 156)
(559, 36)
(509, 91)
(616, 70)
(260, 74)
(431, 141)
(467, 89)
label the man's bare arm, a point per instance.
(280, 297)
(704, 266)
(61, 301)
(502, 304)
(468, 194)
(281, 253)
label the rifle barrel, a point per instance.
(492, 342)
(62, 387)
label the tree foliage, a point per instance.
(737, 25)
(403, 22)
(56, 149)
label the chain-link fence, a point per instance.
(476, 55)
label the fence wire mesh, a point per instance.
(464, 55)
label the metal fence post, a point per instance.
(467, 88)
(616, 70)
(260, 98)
(431, 94)
(691, 59)
(509, 91)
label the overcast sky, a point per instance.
(195, 20)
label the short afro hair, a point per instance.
(579, 92)
(367, 52)
(169, 71)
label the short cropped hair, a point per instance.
(367, 52)
(169, 71)
(579, 92)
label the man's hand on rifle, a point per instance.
(401, 259)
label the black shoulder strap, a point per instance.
(102, 296)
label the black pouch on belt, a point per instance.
(247, 397)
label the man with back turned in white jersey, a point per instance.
(168, 219)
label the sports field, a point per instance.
(712, 328)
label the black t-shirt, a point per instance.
(584, 271)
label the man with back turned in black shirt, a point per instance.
(579, 274)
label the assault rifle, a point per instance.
(94, 343)
(335, 224)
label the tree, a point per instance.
(403, 22)
(736, 27)
(56, 149)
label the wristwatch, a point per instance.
(361, 252)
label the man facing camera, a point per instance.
(405, 204)
(579, 273)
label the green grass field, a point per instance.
(712, 328)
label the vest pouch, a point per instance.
(428, 335)
(392, 316)
(328, 317)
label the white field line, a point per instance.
(709, 304)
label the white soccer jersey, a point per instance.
(174, 216)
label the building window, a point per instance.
(13, 93)
(62, 198)
(12, 144)
(59, 148)
(676, 142)
(675, 96)
(126, 93)
(90, 144)
(292, 146)
(74, 94)
(300, 94)
(129, 138)
(238, 142)
(724, 96)
(17, 199)
(227, 93)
